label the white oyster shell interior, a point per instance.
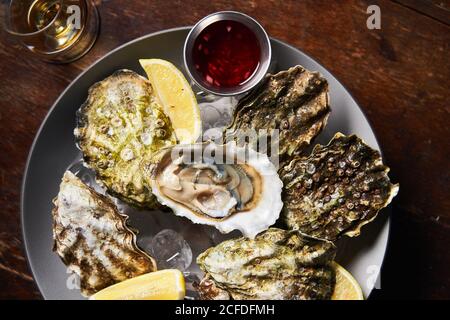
(225, 186)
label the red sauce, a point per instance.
(226, 54)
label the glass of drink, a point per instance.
(58, 31)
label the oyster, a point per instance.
(337, 189)
(294, 102)
(120, 123)
(92, 239)
(225, 186)
(277, 265)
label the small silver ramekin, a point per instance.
(253, 25)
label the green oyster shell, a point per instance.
(336, 190)
(277, 264)
(120, 124)
(294, 101)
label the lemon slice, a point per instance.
(159, 285)
(347, 288)
(177, 98)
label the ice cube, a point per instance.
(170, 250)
(86, 175)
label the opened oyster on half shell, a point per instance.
(337, 189)
(290, 107)
(276, 265)
(121, 123)
(92, 238)
(225, 186)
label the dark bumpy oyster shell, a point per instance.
(294, 101)
(277, 264)
(337, 189)
(92, 238)
(120, 124)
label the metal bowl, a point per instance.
(261, 36)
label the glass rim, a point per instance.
(7, 21)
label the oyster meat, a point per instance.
(228, 187)
(294, 102)
(120, 123)
(277, 264)
(92, 238)
(337, 189)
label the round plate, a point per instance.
(54, 150)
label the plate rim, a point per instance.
(69, 86)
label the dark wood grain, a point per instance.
(435, 9)
(400, 75)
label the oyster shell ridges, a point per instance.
(294, 101)
(337, 189)
(120, 123)
(92, 238)
(277, 264)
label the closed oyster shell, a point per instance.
(337, 189)
(294, 101)
(121, 123)
(92, 238)
(276, 265)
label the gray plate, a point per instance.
(54, 150)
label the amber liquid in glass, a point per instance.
(58, 31)
(60, 34)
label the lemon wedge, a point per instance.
(347, 288)
(159, 285)
(177, 98)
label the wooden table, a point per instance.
(400, 75)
